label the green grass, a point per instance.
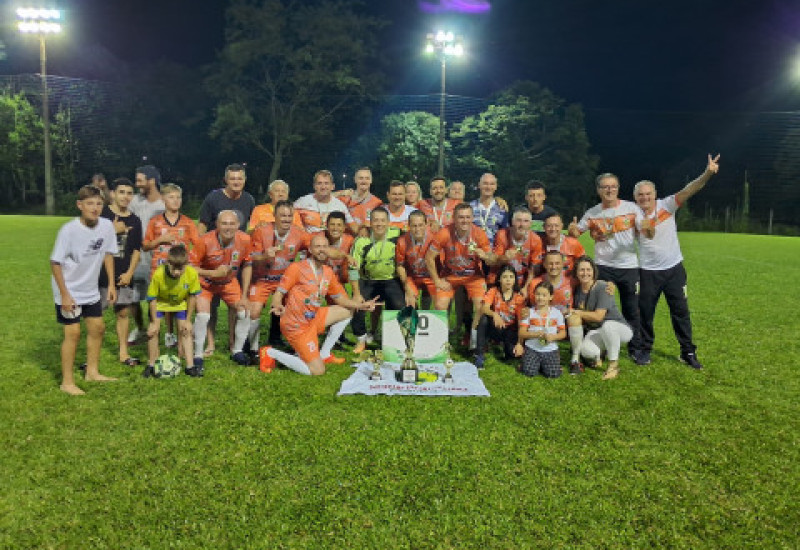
(661, 457)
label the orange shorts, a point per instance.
(475, 286)
(305, 341)
(415, 284)
(260, 291)
(230, 292)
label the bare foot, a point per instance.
(72, 389)
(99, 378)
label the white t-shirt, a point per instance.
(553, 323)
(662, 251)
(314, 214)
(145, 210)
(81, 250)
(619, 222)
(400, 219)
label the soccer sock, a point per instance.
(200, 330)
(291, 361)
(255, 325)
(334, 332)
(240, 331)
(575, 341)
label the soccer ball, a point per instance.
(167, 366)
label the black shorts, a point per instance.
(87, 311)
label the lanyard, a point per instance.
(320, 280)
(485, 219)
(439, 219)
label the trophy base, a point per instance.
(448, 379)
(407, 376)
(375, 376)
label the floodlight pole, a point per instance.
(49, 194)
(441, 117)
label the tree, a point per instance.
(288, 70)
(20, 148)
(409, 145)
(528, 132)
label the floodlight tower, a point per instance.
(43, 22)
(443, 44)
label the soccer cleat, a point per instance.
(575, 367)
(479, 360)
(241, 358)
(149, 372)
(133, 337)
(690, 358)
(642, 358)
(265, 362)
(333, 360)
(253, 355)
(170, 340)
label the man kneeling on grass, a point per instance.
(83, 247)
(303, 287)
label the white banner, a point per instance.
(466, 381)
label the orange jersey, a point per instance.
(305, 286)
(571, 249)
(211, 254)
(459, 255)
(562, 294)
(360, 208)
(184, 231)
(265, 237)
(441, 214)
(411, 255)
(340, 267)
(528, 253)
(509, 310)
(265, 213)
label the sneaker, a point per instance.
(479, 361)
(333, 360)
(133, 337)
(149, 372)
(253, 355)
(690, 358)
(241, 358)
(361, 345)
(170, 340)
(575, 368)
(370, 338)
(611, 373)
(197, 369)
(642, 358)
(265, 362)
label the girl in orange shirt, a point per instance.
(500, 309)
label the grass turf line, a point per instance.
(663, 456)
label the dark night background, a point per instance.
(660, 82)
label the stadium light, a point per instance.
(42, 21)
(444, 44)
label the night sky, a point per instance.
(616, 54)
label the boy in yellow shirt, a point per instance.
(173, 289)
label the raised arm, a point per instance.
(693, 187)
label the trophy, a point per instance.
(448, 364)
(376, 366)
(408, 318)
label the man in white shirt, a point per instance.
(612, 225)
(314, 208)
(662, 270)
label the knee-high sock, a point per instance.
(334, 332)
(291, 361)
(240, 330)
(575, 341)
(200, 331)
(255, 326)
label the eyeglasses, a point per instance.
(608, 187)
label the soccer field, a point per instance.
(664, 456)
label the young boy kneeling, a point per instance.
(173, 289)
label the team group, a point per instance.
(513, 276)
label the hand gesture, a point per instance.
(370, 305)
(120, 227)
(277, 309)
(713, 164)
(498, 321)
(572, 229)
